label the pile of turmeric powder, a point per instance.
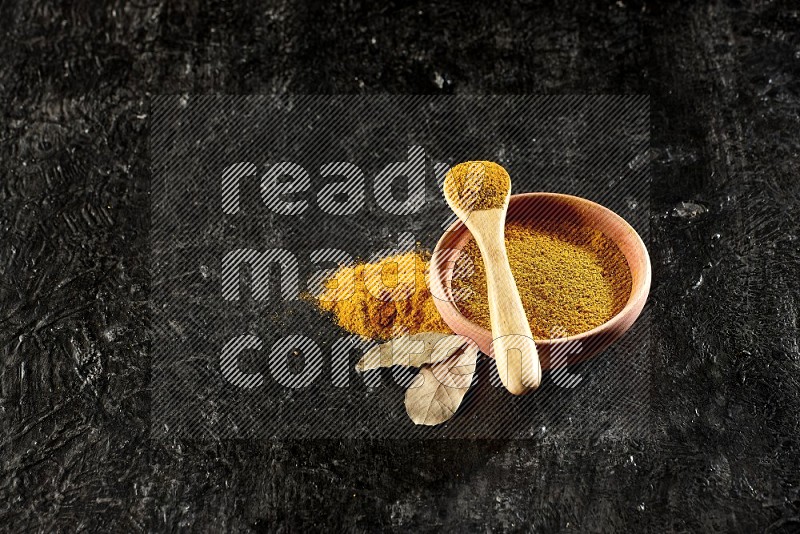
(570, 278)
(382, 299)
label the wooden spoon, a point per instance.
(513, 346)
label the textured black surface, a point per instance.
(74, 85)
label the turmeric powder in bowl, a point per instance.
(570, 278)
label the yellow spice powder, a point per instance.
(477, 185)
(382, 299)
(570, 278)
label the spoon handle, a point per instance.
(513, 346)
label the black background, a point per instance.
(75, 82)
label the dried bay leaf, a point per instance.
(410, 351)
(437, 391)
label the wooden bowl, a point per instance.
(529, 208)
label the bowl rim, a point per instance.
(637, 298)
